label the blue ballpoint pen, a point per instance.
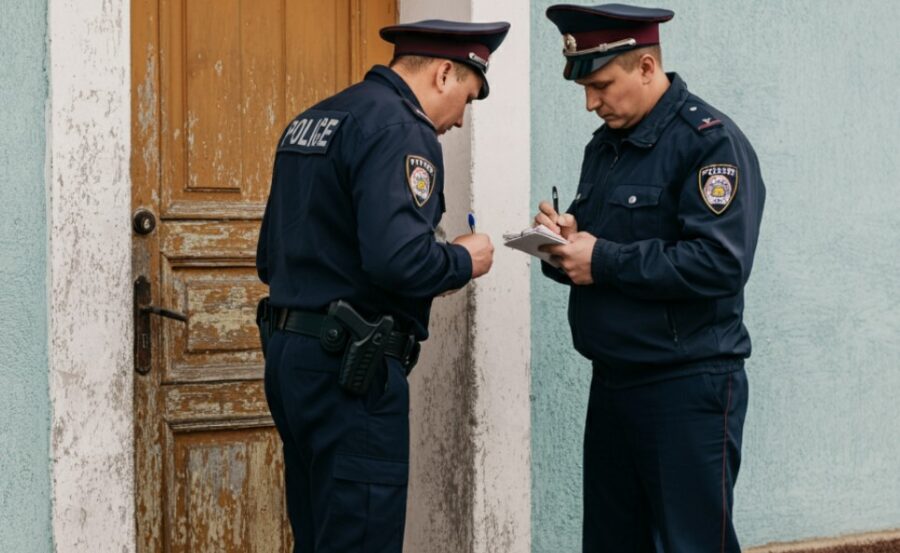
(472, 222)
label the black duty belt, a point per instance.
(400, 345)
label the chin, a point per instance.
(613, 123)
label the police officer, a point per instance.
(661, 235)
(348, 249)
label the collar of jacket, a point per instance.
(646, 133)
(386, 75)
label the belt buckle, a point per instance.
(411, 353)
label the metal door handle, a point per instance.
(143, 359)
(153, 310)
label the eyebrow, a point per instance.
(600, 83)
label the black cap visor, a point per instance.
(485, 89)
(581, 66)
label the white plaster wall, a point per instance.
(88, 144)
(501, 329)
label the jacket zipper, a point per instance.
(602, 188)
(671, 321)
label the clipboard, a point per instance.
(530, 239)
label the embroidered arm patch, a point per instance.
(312, 132)
(420, 174)
(718, 186)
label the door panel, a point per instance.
(214, 83)
(208, 273)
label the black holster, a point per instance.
(265, 322)
(364, 353)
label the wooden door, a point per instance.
(214, 83)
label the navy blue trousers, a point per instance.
(346, 458)
(660, 464)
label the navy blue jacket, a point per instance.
(676, 205)
(357, 193)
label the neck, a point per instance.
(657, 87)
(418, 82)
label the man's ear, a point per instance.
(648, 68)
(443, 74)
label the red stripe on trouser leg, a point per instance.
(724, 465)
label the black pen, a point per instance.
(555, 201)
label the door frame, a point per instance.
(89, 279)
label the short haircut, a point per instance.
(630, 60)
(414, 64)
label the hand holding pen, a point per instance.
(548, 215)
(480, 248)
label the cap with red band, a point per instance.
(594, 35)
(468, 43)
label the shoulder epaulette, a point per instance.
(699, 117)
(418, 113)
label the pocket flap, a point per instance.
(633, 195)
(371, 471)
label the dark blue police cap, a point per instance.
(468, 43)
(594, 35)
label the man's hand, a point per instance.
(575, 257)
(564, 225)
(480, 249)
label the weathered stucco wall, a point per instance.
(813, 85)
(90, 276)
(24, 401)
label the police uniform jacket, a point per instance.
(675, 205)
(357, 193)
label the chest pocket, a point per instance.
(633, 212)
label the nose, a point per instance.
(592, 100)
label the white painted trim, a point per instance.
(88, 145)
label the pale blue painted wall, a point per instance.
(814, 84)
(24, 399)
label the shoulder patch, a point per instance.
(420, 176)
(418, 113)
(718, 186)
(312, 132)
(699, 117)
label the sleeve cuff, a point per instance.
(462, 263)
(554, 273)
(603, 261)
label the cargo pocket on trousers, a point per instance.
(370, 500)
